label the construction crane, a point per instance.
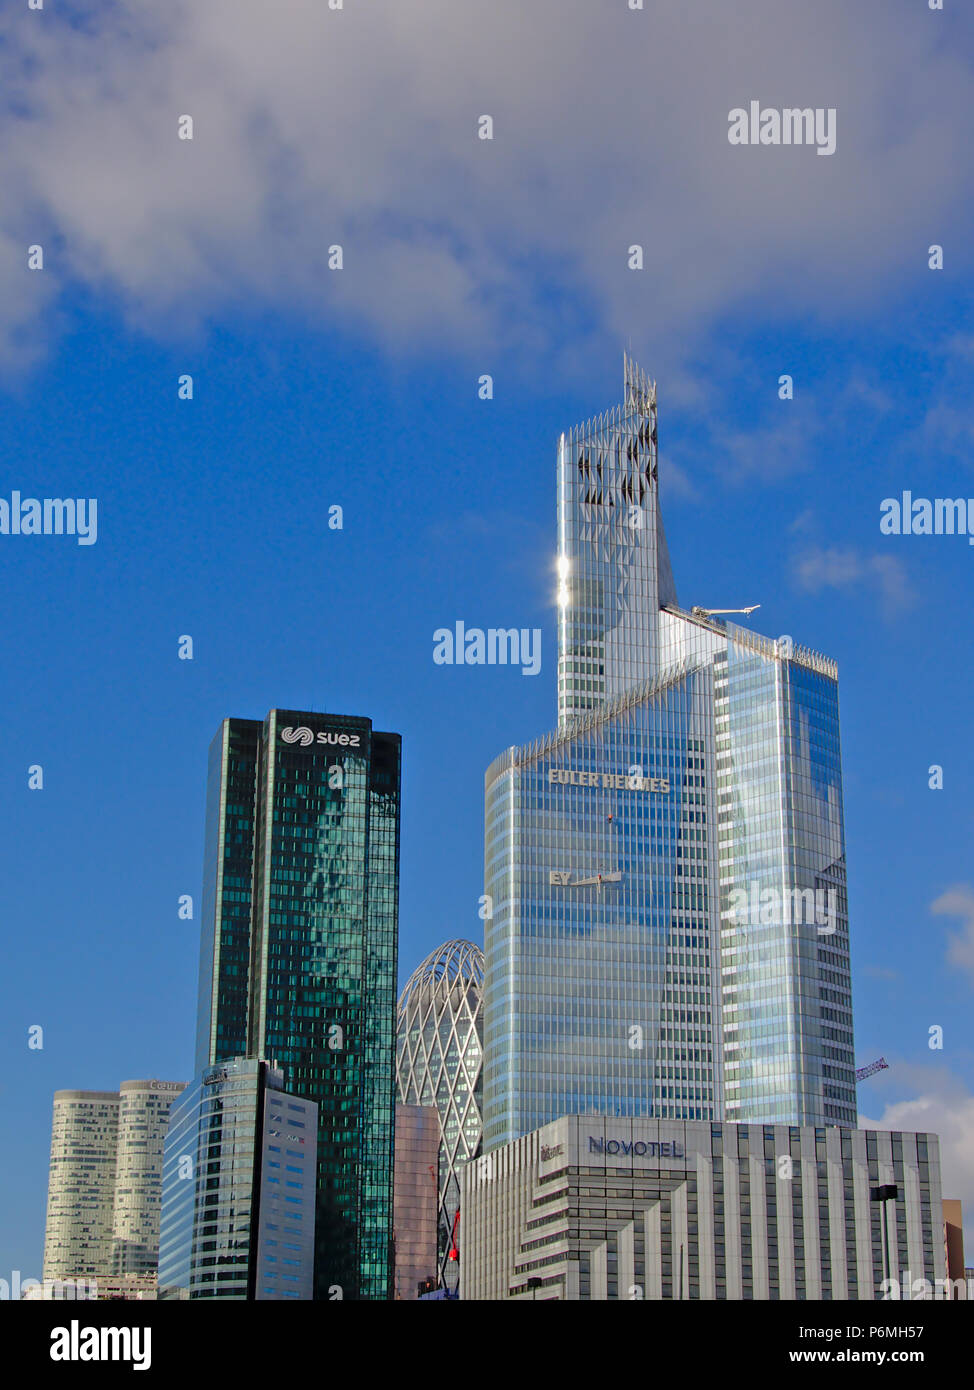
(709, 612)
(863, 1072)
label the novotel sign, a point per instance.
(667, 1148)
(622, 782)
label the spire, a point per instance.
(639, 392)
(640, 398)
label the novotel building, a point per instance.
(590, 1208)
(299, 955)
(695, 767)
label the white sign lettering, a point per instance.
(566, 776)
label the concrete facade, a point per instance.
(104, 1187)
(594, 1208)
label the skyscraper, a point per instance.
(238, 1203)
(105, 1185)
(81, 1185)
(143, 1118)
(666, 871)
(439, 1060)
(613, 565)
(416, 1197)
(299, 950)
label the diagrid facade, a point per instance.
(669, 929)
(439, 1057)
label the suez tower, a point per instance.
(299, 953)
(665, 872)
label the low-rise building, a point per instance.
(596, 1208)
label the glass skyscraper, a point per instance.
(299, 954)
(613, 564)
(416, 1205)
(238, 1188)
(784, 953)
(666, 871)
(439, 1059)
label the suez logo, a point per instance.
(305, 738)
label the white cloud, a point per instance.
(944, 1107)
(846, 568)
(880, 972)
(678, 484)
(358, 126)
(774, 449)
(959, 902)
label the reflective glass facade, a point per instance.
(601, 870)
(439, 1059)
(614, 568)
(416, 1205)
(238, 1206)
(787, 994)
(785, 972)
(319, 897)
(704, 924)
(221, 1019)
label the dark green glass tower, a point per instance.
(298, 956)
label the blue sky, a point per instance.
(213, 513)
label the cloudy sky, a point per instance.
(359, 128)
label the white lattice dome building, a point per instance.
(439, 1056)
